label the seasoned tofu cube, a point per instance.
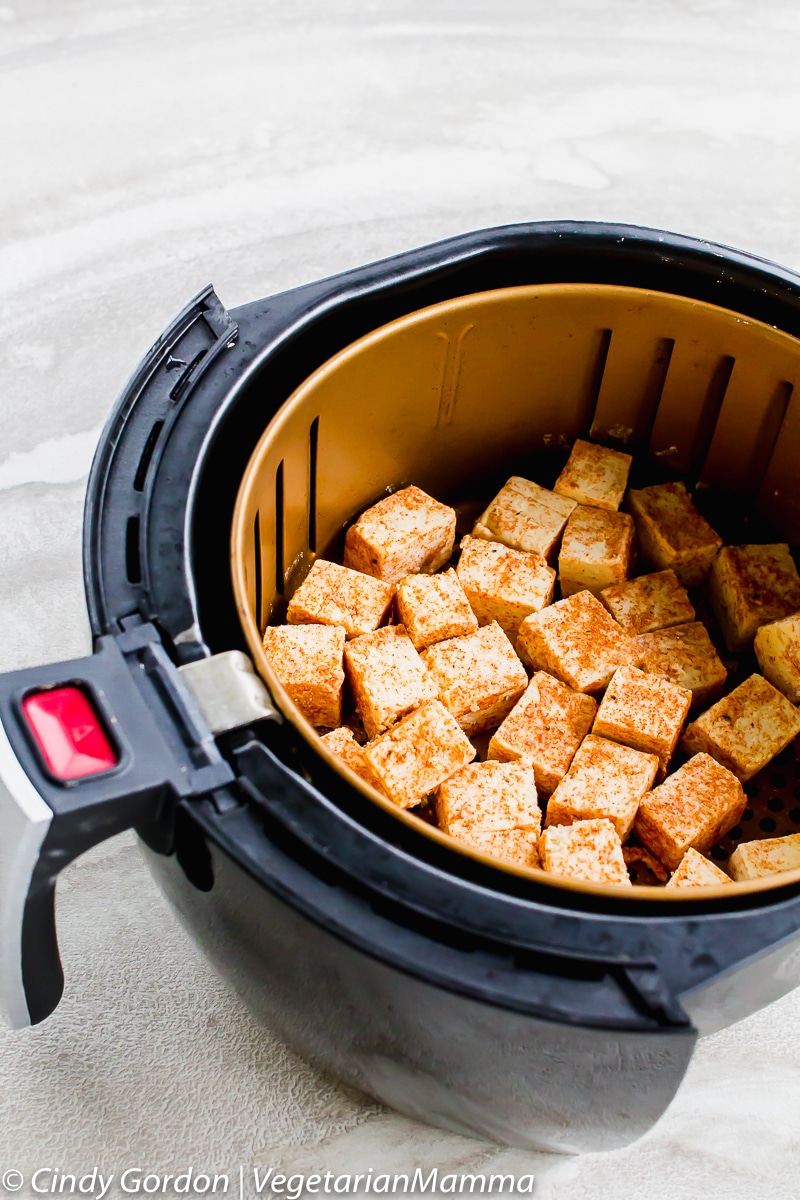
(693, 808)
(434, 607)
(547, 725)
(589, 850)
(518, 846)
(770, 856)
(671, 533)
(308, 662)
(502, 584)
(526, 517)
(745, 729)
(404, 534)
(696, 871)
(493, 807)
(604, 780)
(342, 743)
(648, 603)
(479, 677)
(577, 641)
(749, 586)
(334, 595)
(489, 796)
(419, 753)
(596, 551)
(594, 475)
(643, 711)
(686, 656)
(777, 648)
(387, 677)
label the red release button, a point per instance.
(68, 733)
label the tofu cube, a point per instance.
(777, 648)
(434, 607)
(387, 677)
(686, 656)
(526, 517)
(576, 640)
(693, 808)
(651, 602)
(547, 725)
(493, 807)
(745, 729)
(342, 743)
(604, 780)
(406, 533)
(671, 533)
(749, 586)
(308, 662)
(588, 850)
(334, 595)
(479, 677)
(644, 712)
(502, 584)
(596, 551)
(518, 846)
(696, 871)
(595, 475)
(419, 753)
(770, 856)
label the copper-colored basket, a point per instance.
(449, 395)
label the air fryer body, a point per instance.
(428, 1051)
(546, 1043)
(456, 993)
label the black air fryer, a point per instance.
(497, 1003)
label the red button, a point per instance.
(68, 733)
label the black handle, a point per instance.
(159, 749)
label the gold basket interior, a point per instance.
(449, 396)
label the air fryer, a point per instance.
(499, 1002)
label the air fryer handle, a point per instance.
(27, 924)
(36, 843)
(58, 799)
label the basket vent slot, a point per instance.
(654, 386)
(770, 430)
(709, 414)
(313, 443)
(633, 380)
(279, 529)
(778, 496)
(597, 371)
(257, 582)
(133, 561)
(147, 455)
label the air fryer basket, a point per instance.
(456, 396)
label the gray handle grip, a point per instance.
(24, 822)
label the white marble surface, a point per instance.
(148, 147)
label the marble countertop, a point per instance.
(148, 148)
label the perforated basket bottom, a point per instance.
(773, 804)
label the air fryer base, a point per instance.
(429, 1053)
